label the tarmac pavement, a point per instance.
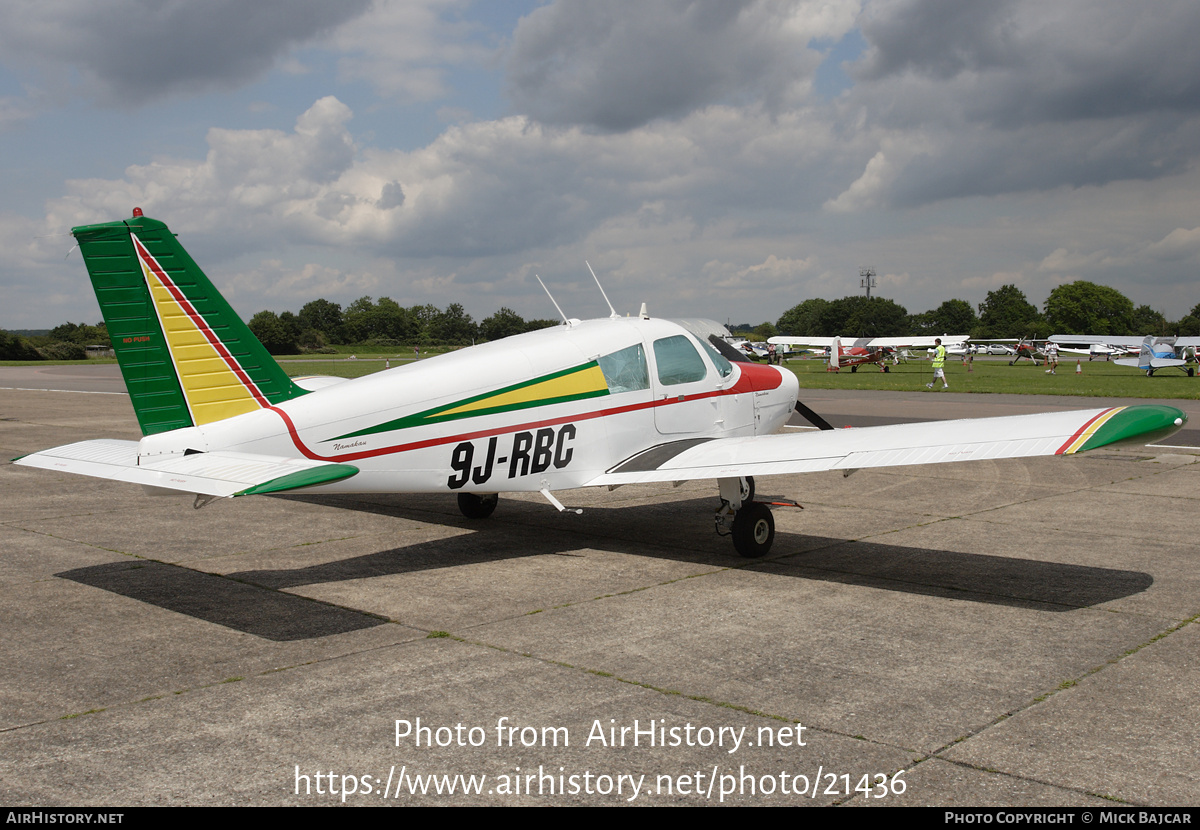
(1007, 633)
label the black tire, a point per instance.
(1011, 362)
(748, 490)
(886, 369)
(854, 368)
(1191, 372)
(753, 530)
(477, 507)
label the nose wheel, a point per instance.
(750, 523)
(753, 530)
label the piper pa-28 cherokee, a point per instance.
(597, 403)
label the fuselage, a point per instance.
(550, 409)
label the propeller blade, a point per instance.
(812, 417)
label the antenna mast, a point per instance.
(613, 315)
(551, 296)
(868, 279)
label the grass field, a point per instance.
(1098, 379)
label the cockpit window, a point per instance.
(625, 371)
(678, 361)
(724, 367)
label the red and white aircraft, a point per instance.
(865, 350)
(584, 404)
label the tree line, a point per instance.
(1079, 307)
(322, 324)
(65, 342)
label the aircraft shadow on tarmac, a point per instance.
(256, 602)
(272, 615)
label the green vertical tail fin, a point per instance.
(186, 357)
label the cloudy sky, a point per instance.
(709, 157)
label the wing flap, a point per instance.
(939, 442)
(209, 474)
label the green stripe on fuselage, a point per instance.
(446, 412)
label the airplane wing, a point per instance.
(204, 473)
(1119, 341)
(817, 342)
(909, 342)
(1019, 436)
(1154, 363)
(1097, 339)
(948, 340)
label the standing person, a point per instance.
(939, 364)
(1052, 358)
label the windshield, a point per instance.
(724, 367)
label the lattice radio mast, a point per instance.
(868, 279)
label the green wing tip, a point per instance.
(324, 474)
(1141, 424)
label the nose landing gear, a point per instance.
(753, 530)
(749, 522)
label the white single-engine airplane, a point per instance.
(1153, 353)
(602, 402)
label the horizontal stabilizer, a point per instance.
(207, 473)
(1018, 436)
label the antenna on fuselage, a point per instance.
(613, 315)
(551, 296)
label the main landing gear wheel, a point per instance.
(854, 368)
(753, 530)
(747, 489)
(477, 507)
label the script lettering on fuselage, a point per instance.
(528, 453)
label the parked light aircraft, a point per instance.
(603, 402)
(865, 350)
(1027, 350)
(1153, 353)
(1022, 349)
(755, 350)
(1160, 353)
(1096, 350)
